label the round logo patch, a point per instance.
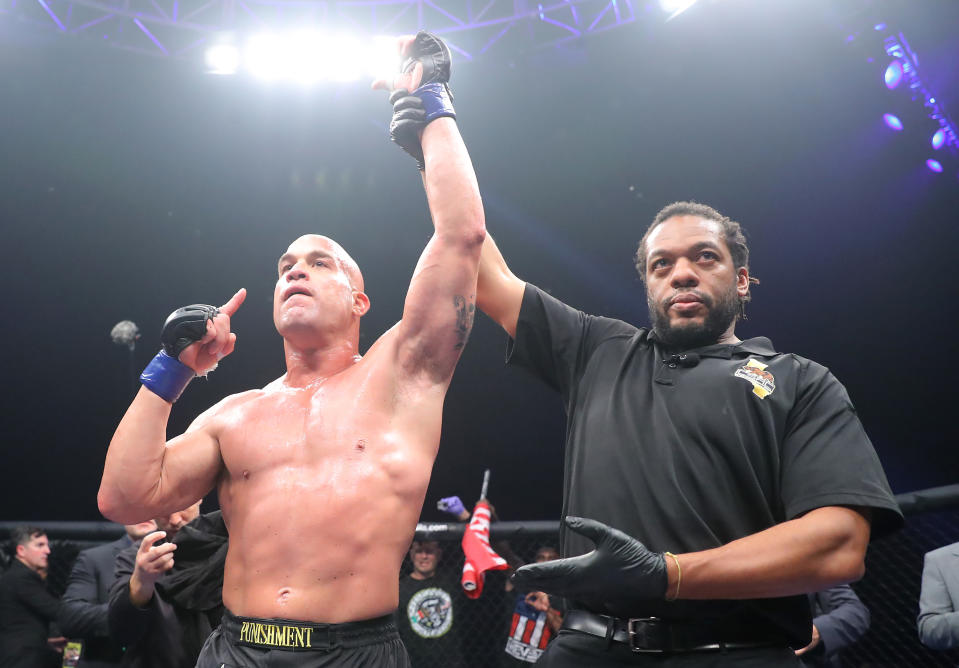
(430, 612)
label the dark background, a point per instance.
(132, 185)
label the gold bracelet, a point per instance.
(679, 576)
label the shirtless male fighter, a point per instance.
(321, 474)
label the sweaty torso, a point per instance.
(321, 490)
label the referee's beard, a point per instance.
(683, 333)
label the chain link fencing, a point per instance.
(890, 588)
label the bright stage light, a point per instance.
(381, 60)
(892, 122)
(934, 165)
(265, 56)
(308, 57)
(893, 74)
(939, 138)
(222, 59)
(345, 58)
(675, 7)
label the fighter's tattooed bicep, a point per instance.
(465, 311)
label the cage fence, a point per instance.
(890, 588)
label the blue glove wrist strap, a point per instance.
(166, 377)
(437, 101)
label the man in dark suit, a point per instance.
(83, 610)
(26, 606)
(839, 620)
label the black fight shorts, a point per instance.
(246, 642)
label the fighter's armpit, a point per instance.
(465, 312)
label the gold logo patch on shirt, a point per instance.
(755, 372)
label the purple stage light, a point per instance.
(939, 138)
(892, 122)
(934, 165)
(893, 74)
(880, 26)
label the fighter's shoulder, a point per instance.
(228, 404)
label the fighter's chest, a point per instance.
(297, 428)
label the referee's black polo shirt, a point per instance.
(688, 458)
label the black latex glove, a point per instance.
(620, 567)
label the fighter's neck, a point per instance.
(305, 366)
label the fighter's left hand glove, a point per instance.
(619, 566)
(426, 71)
(194, 339)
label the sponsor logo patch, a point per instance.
(755, 372)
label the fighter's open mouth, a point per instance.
(291, 291)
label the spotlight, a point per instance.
(265, 55)
(893, 74)
(675, 7)
(382, 59)
(934, 165)
(345, 53)
(939, 138)
(892, 122)
(307, 58)
(222, 59)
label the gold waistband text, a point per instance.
(275, 635)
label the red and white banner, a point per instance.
(480, 557)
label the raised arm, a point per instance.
(499, 293)
(145, 476)
(441, 301)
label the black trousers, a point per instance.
(571, 649)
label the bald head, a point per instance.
(343, 259)
(318, 297)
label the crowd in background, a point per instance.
(151, 598)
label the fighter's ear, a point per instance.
(361, 303)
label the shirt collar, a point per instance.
(759, 345)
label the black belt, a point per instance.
(295, 635)
(655, 635)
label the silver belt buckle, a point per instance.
(637, 639)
